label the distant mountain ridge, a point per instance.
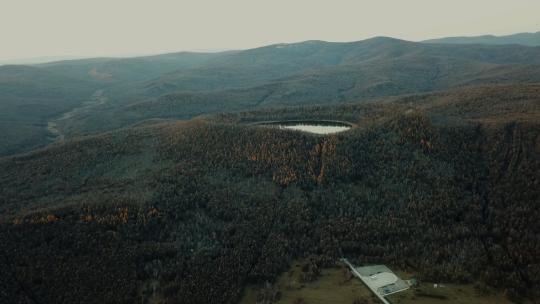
(184, 85)
(528, 39)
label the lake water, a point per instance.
(322, 127)
(316, 129)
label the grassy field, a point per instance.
(426, 293)
(333, 286)
(330, 287)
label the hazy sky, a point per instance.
(35, 28)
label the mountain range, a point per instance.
(59, 98)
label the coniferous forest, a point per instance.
(444, 184)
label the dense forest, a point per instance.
(444, 184)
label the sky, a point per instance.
(89, 28)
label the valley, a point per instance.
(55, 126)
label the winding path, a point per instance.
(53, 126)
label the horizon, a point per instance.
(58, 58)
(62, 28)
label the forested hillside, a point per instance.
(29, 97)
(185, 85)
(313, 72)
(445, 184)
(33, 96)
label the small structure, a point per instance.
(379, 279)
